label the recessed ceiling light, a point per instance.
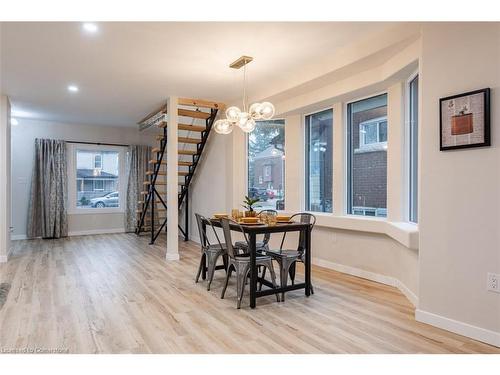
(14, 122)
(73, 88)
(90, 27)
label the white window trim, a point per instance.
(362, 143)
(72, 208)
(407, 148)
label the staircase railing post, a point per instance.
(186, 216)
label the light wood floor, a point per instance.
(117, 294)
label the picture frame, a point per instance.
(464, 120)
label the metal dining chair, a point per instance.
(260, 245)
(240, 263)
(288, 258)
(209, 253)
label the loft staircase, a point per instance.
(192, 137)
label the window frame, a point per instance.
(362, 143)
(348, 207)
(305, 149)
(410, 162)
(71, 170)
(247, 163)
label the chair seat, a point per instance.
(244, 245)
(246, 257)
(285, 253)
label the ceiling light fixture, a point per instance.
(245, 118)
(73, 88)
(90, 27)
(14, 122)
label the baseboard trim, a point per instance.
(18, 237)
(358, 272)
(477, 333)
(96, 231)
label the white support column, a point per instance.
(172, 180)
(5, 190)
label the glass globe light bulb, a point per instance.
(267, 110)
(255, 111)
(233, 114)
(249, 126)
(243, 119)
(223, 126)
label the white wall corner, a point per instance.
(477, 333)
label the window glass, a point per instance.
(97, 179)
(367, 157)
(266, 164)
(319, 161)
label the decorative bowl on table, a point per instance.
(249, 220)
(221, 216)
(282, 218)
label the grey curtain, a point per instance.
(138, 157)
(47, 214)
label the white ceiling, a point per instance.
(127, 69)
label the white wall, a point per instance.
(5, 191)
(23, 146)
(460, 190)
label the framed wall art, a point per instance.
(465, 120)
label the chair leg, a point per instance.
(291, 272)
(212, 262)
(241, 276)
(283, 276)
(273, 278)
(202, 264)
(228, 275)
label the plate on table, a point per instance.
(284, 222)
(257, 223)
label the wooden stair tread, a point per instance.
(156, 210)
(194, 114)
(160, 183)
(187, 127)
(180, 163)
(187, 152)
(182, 139)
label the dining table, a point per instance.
(255, 229)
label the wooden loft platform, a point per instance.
(157, 117)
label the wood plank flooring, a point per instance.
(116, 294)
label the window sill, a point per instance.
(404, 233)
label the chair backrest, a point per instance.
(304, 218)
(231, 252)
(203, 234)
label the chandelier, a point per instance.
(244, 118)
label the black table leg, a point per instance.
(253, 270)
(308, 261)
(204, 258)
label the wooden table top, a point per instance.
(262, 228)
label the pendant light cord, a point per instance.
(244, 87)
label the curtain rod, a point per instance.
(99, 144)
